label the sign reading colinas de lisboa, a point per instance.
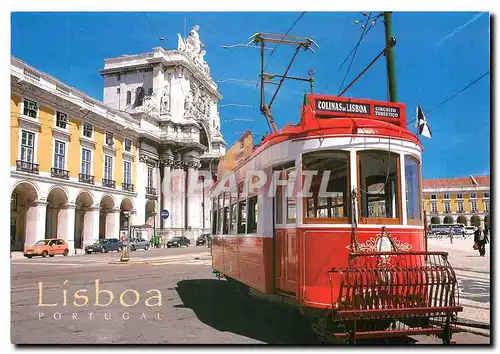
(343, 107)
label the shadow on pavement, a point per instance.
(220, 307)
(217, 305)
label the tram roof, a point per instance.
(329, 116)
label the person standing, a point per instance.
(451, 235)
(481, 238)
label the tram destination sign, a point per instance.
(343, 107)
(331, 107)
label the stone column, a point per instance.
(113, 223)
(167, 161)
(66, 225)
(35, 223)
(178, 176)
(194, 196)
(91, 226)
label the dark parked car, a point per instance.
(138, 243)
(178, 241)
(202, 239)
(110, 244)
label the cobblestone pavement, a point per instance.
(473, 274)
(196, 308)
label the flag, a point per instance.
(421, 124)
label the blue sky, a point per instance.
(437, 54)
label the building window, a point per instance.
(459, 196)
(434, 209)
(447, 208)
(486, 195)
(473, 196)
(473, 207)
(334, 204)
(61, 120)
(86, 161)
(412, 178)
(109, 138)
(487, 206)
(129, 97)
(150, 177)
(446, 196)
(127, 172)
(27, 146)
(87, 130)
(460, 206)
(59, 154)
(379, 174)
(128, 145)
(433, 196)
(30, 108)
(108, 167)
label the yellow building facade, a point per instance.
(74, 163)
(463, 200)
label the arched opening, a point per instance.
(475, 221)
(125, 213)
(56, 219)
(435, 220)
(448, 220)
(487, 222)
(462, 220)
(203, 137)
(83, 224)
(106, 220)
(149, 217)
(23, 195)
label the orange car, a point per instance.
(46, 248)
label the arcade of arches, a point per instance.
(80, 224)
(473, 220)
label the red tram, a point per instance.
(327, 215)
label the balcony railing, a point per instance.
(108, 183)
(59, 173)
(128, 187)
(151, 191)
(25, 166)
(85, 178)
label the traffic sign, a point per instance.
(164, 214)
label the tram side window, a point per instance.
(234, 211)
(279, 203)
(379, 184)
(253, 211)
(291, 216)
(329, 186)
(214, 216)
(242, 216)
(412, 178)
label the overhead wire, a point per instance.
(363, 35)
(356, 47)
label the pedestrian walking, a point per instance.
(450, 234)
(481, 239)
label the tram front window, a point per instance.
(330, 201)
(379, 184)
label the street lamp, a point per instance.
(125, 238)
